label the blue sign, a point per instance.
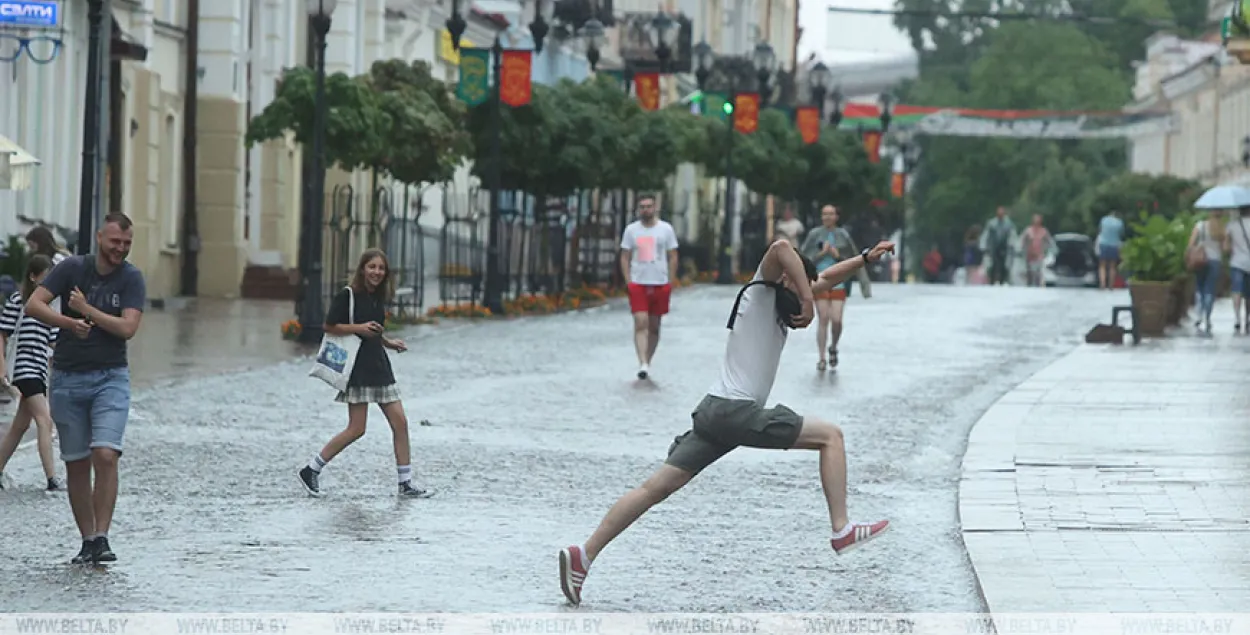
(37, 13)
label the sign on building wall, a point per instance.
(30, 13)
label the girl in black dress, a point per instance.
(372, 381)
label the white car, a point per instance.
(1071, 263)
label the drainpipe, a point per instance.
(190, 109)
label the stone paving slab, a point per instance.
(1117, 479)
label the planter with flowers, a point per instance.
(291, 329)
(1154, 258)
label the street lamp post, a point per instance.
(819, 80)
(765, 62)
(90, 128)
(835, 117)
(311, 309)
(494, 288)
(909, 152)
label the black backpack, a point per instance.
(786, 303)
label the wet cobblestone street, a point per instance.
(536, 426)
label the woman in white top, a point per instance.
(1209, 234)
(1237, 241)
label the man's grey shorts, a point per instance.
(720, 425)
(90, 410)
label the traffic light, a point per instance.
(728, 107)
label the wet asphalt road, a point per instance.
(537, 426)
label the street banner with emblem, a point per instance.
(474, 86)
(514, 81)
(898, 184)
(747, 112)
(808, 120)
(872, 145)
(647, 87)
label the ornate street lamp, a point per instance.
(596, 38)
(835, 117)
(909, 157)
(664, 34)
(887, 111)
(703, 59)
(765, 61)
(311, 309)
(819, 79)
(456, 25)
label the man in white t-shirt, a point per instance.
(649, 263)
(733, 414)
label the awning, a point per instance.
(22, 166)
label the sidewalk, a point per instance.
(1117, 479)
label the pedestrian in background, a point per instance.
(789, 227)
(89, 389)
(826, 246)
(997, 240)
(1110, 238)
(25, 368)
(649, 265)
(41, 241)
(973, 256)
(1035, 242)
(1237, 243)
(1208, 236)
(360, 310)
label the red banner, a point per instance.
(872, 145)
(808, 120)
(514, 78)
(747, 113)
(647, 87)
(898, 184)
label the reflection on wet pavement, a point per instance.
(537, 426)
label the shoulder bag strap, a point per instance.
(733, 315)
(351, 305)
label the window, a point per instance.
(170, 205)
(169, 12)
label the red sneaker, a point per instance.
(859, 534)
(572, 573)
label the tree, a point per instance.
(425, 123)
(354, 121)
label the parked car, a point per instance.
(1071, 263)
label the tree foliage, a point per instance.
(397, 119)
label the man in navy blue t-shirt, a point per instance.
(102, 300)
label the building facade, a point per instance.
(41, 110)
(1208, 95)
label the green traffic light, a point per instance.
(728, 108)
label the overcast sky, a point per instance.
(841, 37)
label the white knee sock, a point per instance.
(405, 473)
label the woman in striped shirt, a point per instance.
(26, 369)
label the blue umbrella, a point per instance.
(1224, 197)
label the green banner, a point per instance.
(714, 105)
(474, 86)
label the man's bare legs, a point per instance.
(642, 337)
(827, 439)
(78, 484)
(634, 504)
(653, 336)
(104, 494)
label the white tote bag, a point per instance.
(337, 355)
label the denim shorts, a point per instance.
(1237, 280)
(1109, 253)
(90, 410)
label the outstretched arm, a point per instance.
(839, 273)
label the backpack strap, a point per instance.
(733, 315)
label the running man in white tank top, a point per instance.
(733, 413)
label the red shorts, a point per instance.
(649, 298)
